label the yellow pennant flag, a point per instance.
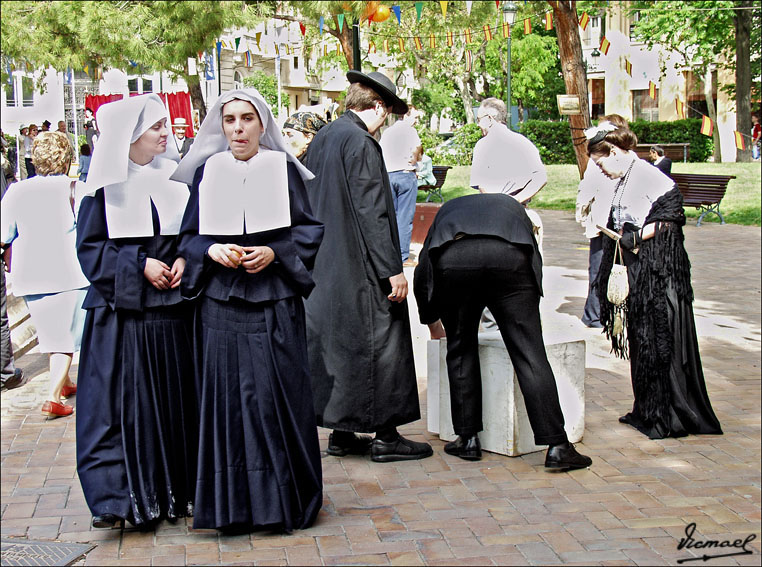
(402, 44)
(628, 67)
(467, 35)
(418, 43)
(548, 21)
(386, 46)
(449, 39)
(325, 50)
(652, 89)
(583, 20)
(432, 41)
(605, 44)
(506, 30)
(740, 143)
(707, 126)
(487, 32)
(527, 26)
(680, 108)
(338, 49)
(443, 5)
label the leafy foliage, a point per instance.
(677, 131)
(460, 150)
(552, 140)
(267, 85)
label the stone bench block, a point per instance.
(506, 425)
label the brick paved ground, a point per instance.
(631, 507)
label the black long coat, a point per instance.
(359, 343)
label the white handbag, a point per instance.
(618, 287)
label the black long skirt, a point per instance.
(259, 458)
(688, 409)
(137, 414)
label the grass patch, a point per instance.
(741, 204)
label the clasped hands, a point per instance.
(253, 258)
(631, 240)
(162, 276)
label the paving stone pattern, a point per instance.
(630, 508)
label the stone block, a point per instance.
(506, 425)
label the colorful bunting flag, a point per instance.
(418, 43)
(527, 26)
(680, 108)
(320, 25)
(386, 46)
(740, 143)
(402, 44)
(487, 32)
(258, 37)
(418, 10)
(468, 7)
(467, 35)
(238, 41)
(449, 39)
(325, 50)
(371, 47)
(443, 5)
(605, 44)
(338, 49)
(340, 17)
(398, 12)
(469, 60)
(432, 41)
(628, 67)
(584, 19)
(302, 28)
(548, 21)
(506, 30)
(497, 4)
(707, 126)
(247, 57)
(652, 89)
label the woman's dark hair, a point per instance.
(84, 149)
(90, 109)
(623, 138)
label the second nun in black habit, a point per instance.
(250, 240)
(137, 424)
(358, 327)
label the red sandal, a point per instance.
(68, 391)
(54, 409)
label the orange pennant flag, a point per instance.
(527, 26)
(605, 44)
(487, 32)
(418, 43)
(467, 35)
(449, 39)
(432, 41)
(652, 89)
(583, 20)
(469, 60)
(506, 30)
(548, 21)
(628, 67)
(402, 44)
(740, 143)
(707, 126)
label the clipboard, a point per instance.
(608, 232)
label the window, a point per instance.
(296, 61)
(595, 22)
(132, 85)
(634, 19)
(237, 80)
(147, 86)
(10, 91)
(27, 91)
(644, 107)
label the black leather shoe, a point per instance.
(565, 456)
(350, 445)
(16, 381)
(467, 448)
(400, 449)
(106, 521)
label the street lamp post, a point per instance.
(509, 16)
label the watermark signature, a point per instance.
(688, 542)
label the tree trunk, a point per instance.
(708, 89)
(575, 75)
(345, 39)
(521, 109)
(197, 98)
(465, 95)
(743, 76)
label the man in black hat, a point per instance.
(358, 328)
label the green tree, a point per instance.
(159, 35)
(266, 84)
(701, 32)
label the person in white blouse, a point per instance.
(38, 219)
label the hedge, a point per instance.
(553, 140)
(676, 132)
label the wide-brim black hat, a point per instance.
(382, 85)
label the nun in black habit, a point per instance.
(137, 424)
(250, 240)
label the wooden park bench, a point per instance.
(675, 152)
(703, 192)
(440, 173)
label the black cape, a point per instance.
(137, 407)
(667, 377)
(360, 346)
(259, 455)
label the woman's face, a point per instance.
(242, 128)
(297, 141)
(33, 132)
(153, 142)
(613, 165)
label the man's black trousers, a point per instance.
(477, 272)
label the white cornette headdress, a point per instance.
(211, 139)
(597, 133)
(121, 123)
